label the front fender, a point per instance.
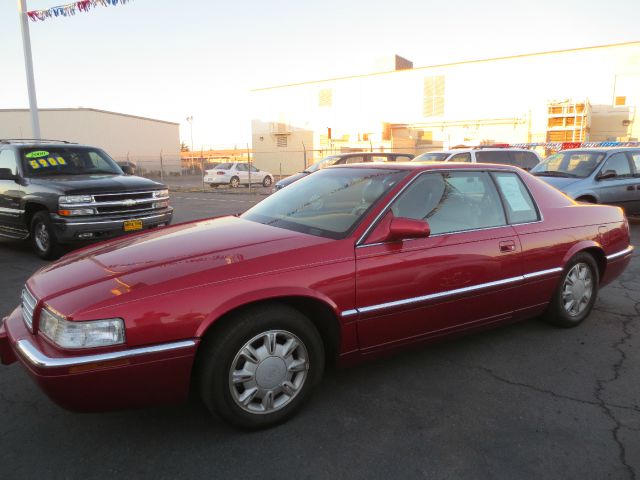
(266, 294)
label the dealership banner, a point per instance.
(70, 9)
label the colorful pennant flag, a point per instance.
(70, 9)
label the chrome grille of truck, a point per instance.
(122, 203)
(28, 306)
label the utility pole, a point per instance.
(28, 66)
(249, 165)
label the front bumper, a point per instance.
(106, 380)
(74, 230)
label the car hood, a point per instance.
(289, 180)
(166, 260)
(561, 183)
(97, 183)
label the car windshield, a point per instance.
(324, 163)
(44, 161)
(570, 163)
(432, 157)
(329, 203)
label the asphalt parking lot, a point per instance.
(527, 401)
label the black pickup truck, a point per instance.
(56, 192)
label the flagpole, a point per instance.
(28, 66)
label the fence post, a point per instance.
(202, 165)
(249, 166)
(161, 167)
(304, 150)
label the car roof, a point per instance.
(424, 166)
(356, 154)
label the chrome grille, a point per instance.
(122, 203)
(28, 305)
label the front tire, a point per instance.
(576, 294)
(43, 238)
(259, 369)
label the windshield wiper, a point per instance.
(554, 173)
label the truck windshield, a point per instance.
(570, 163)
(62, 160)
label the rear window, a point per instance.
(223, 166)
(499, 157)
(525, 160)
(57, 160)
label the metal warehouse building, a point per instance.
(149, 143)
(587, 94)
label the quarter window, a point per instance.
(8, 160)
(636, 161)
(517, 199)
(452, 202)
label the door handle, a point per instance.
(507, 246)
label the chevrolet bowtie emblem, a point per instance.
(129, 203)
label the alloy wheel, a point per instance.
(577, 289)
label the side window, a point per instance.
(241, 167)
(253, 169)
(403, 158)
(8, 160)
(452, 202)
(460, 157)
(382, 158)
(355, 159)
(636, 162)
(619, 163)
(517, 199)
(501, 158)
(525, 160)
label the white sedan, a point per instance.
(235, 174)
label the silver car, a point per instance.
(596, 175)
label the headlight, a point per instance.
(65, 334)
(75, 199)
(160, 193)
(162, 204)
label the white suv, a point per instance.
(525, 159)
(235, 174)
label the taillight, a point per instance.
(220, 173)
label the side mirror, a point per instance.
(403, 228)
(128, 170)
(7, 174)
(607, 174)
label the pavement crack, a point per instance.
(601, 387)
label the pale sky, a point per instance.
(169, 59)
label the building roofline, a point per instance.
(83, 109)
(440, 65)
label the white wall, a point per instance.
(121, 136)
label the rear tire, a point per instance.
(267, 181)
(576, 294)
(259, 369)
(43, 238)
(234, 182)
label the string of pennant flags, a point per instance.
(568, 145)
(70, 9)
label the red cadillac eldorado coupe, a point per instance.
(342, 265)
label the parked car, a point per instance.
(235, 174)
(343, 265)
(56, 192)
(342, 159)
(525, 159)
(596, 175)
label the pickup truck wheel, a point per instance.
(259, 370)
(43, 238)
(576, 294)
